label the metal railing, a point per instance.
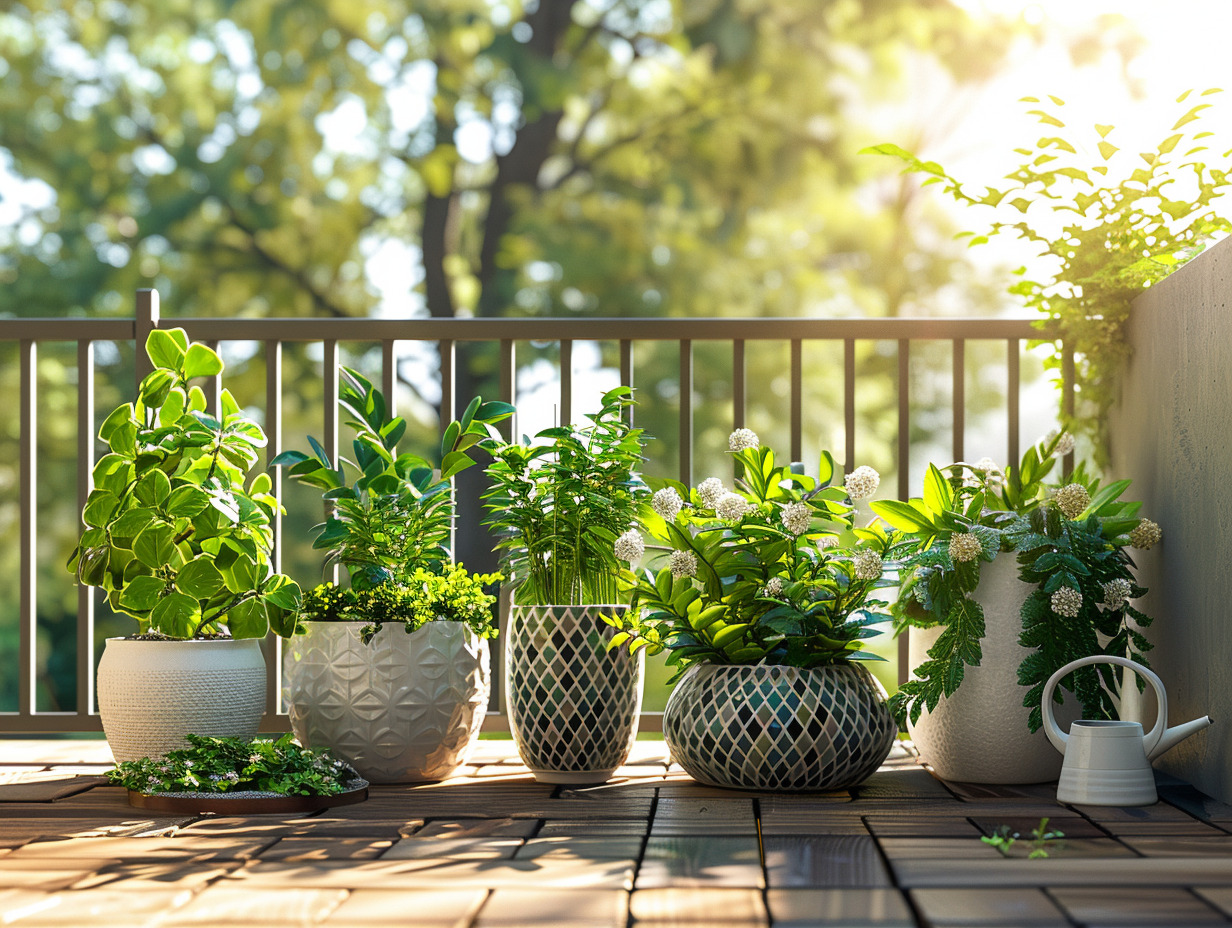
(448, 334)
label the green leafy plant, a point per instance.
(772, 572)
(1123, 221)
(230, 765)
(397, 512)
(172, 534)
(1004, 838)
(1070, 543)
(422, 596)
(558, 503)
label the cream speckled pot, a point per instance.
(151, 694)
(980, 734)
(402, 709)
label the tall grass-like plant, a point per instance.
(1113, 222)
(559, 502)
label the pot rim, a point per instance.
(129, 639)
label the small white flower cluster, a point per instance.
(773, 587)
(1146, 535)
(862, 482)
(682, 564)
(867, 565)
(964, 546)
(1072, 500)
(1065, 443)
(710, 491)
(1066, 601)
(629, 546)
(990, 473)
(742, 440)
(732, 506)
(826, 542)
(667, 503)
(1117, 593)
(795, 518)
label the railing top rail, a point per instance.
(535, 329)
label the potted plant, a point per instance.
(1007, 578)
(398, 705)
(181, 544)
(761, 595)
(558, 504)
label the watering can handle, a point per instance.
(1059, 738)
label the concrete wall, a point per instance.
(1172, 435)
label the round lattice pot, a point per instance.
(573, 704)
(401, 709)
(153, 693)
(980, 734)
(778, 728)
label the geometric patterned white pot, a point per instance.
(153, 693)
(979, 734)
(573, 705)
(402, 709)
(770, 727)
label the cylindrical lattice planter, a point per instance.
(980, 733)
(778, 728)
(401, 709)
(573, 704)
(152, 693)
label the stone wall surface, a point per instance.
(1172, 435)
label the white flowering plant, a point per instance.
(768, 571)
(1070, 540)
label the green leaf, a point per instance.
(142, 593)
(176, 615)
(186, 502)
(201, 361)
(155, 547)
(166, 348)
(938, 495)
(199, 578)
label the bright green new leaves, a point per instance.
(397, 514)
(171, 534)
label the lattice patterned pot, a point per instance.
(153, 693)
(402, 709)
(778, 728)
(573, 704)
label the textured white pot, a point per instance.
(980, 734)
(573, 704)
(402, 709)
(151, 694)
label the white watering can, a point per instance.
(1109, 763)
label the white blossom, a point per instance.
(964, 546)
(629, 546)
(667, 503)
(709, 491)
(773, 587)
(795, 518)
(1146, 535)
(825, 542)
(682, 564)
(1065, 443)
(862, 482)
(867, 565)
(742, 440)
(1117, 593)
(732, 507)
(1066, 601)
(1072, 500)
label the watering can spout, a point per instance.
(1178, 733)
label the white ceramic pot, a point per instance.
(778, 728)
(573, 704)
(151, 694)
(402, 709)
(980, 734)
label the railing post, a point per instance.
(686, 411)
(959, 398)
(145, 321)
(797, 400)
(28, 466)
(85, 483)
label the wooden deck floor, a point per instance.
(494, 849)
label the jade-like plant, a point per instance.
(392, 512)
(558, 502)
(419, 597)
(770, 572)
(1112, 222)
(1070, 540)
(173, 534)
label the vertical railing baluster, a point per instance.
(959, 396)
(740, 386)
(797, 400)
(449, 357)
(145, 321)
(213, 391)
(904, 418)
(566, 382)
(686, 411)
(508, 384)
(329, 375)
(389, 376)
(1068, 377)
(626, 374)
(1012, 390)
(28, 488)
(272, 645)
(849, 404)
(85, 482)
